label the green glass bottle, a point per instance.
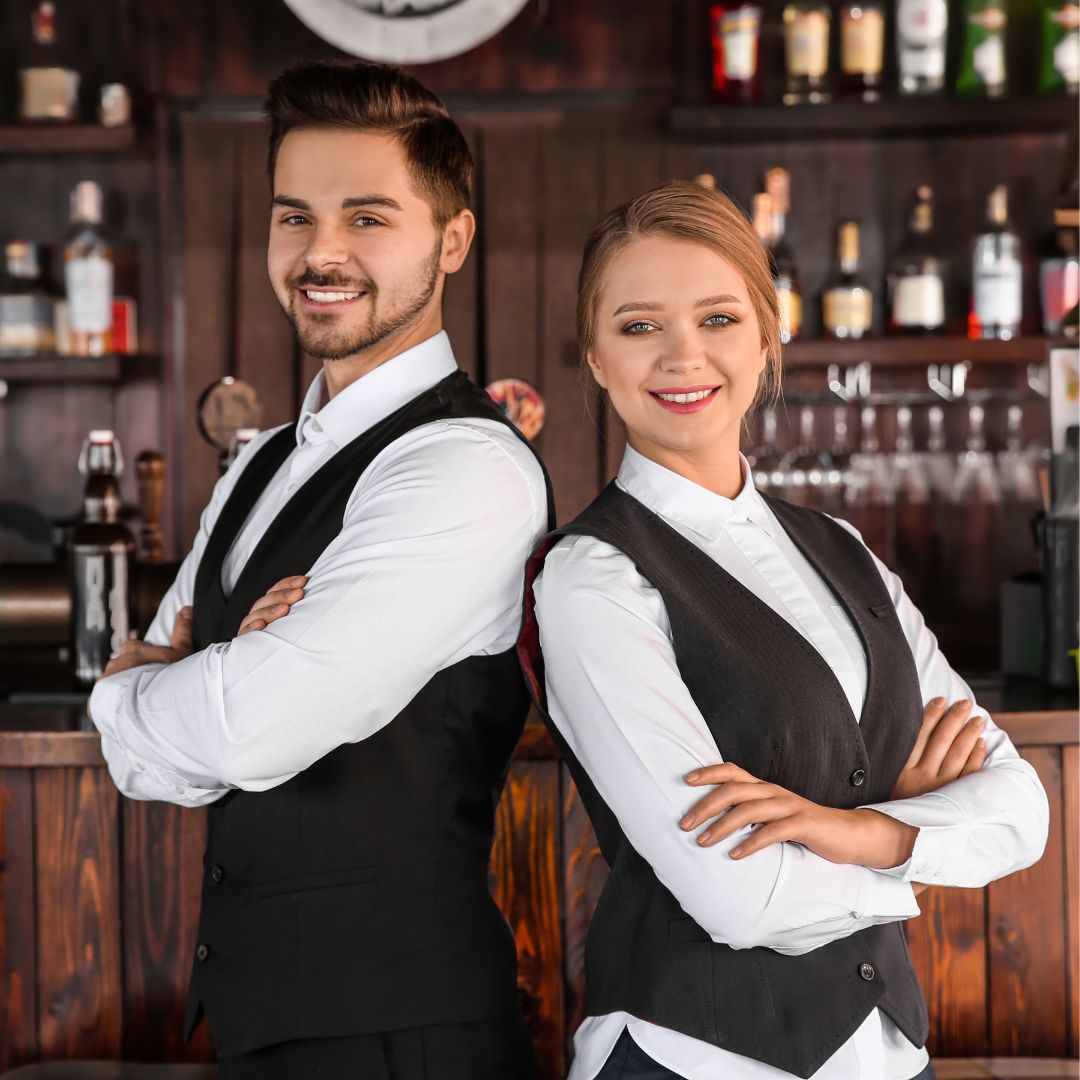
(1060, 70)
(982, 66)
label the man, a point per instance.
(350, 754)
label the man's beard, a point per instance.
(317, 334)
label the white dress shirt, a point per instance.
(425, 572)
(615, 693)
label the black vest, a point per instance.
(354, 898)
(775, 708)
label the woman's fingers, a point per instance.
(751, 813)
(719, 774)
(932, 714)
(957, 755)
(943, 735)
(976, 759)
(723, 798)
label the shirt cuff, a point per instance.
(887, 898)
(936, 846)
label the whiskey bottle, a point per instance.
(785, 275)
(921, 28)
(862, 49)
(102, 550)
(916, 282)
(982, 66)
(997, 276)
(736, 41)
(806, 52)
(88, 273)
(26, 309)
(848, 301)
(48, 90)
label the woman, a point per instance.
(697, 635)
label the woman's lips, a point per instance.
(693, 406)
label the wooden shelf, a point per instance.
(61, 369)
(913, 117)
(65, 139)
(915, 351)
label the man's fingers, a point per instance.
(251, 623)
(953, 763)
(721, 798)
(182, 639)
(943, 735)
(934, 711)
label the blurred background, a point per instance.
(912, 167)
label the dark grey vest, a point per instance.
(354, 898)
(774, 707)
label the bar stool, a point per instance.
(110, 1070)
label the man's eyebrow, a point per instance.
(346, 204)
(647, 305)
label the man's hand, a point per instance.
(275, 605)
(863, 837)
(135, 653)
(949, 746)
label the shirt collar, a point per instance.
(674, 497)
(373, 396)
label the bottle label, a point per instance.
(740, 36)
(89, 283)
(862, 42)
(921, 25)
(998, 291)
(101, 607)
(850, 309)
(808, 44)
(1067, 58)
(790, 310)
(919, 301)
(988, 55)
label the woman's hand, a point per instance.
(863, 837)
(949, 746)
(275, 605)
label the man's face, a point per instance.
(354, 253)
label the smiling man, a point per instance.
(333, 671)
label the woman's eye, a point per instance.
(638, 328)
(719, 320)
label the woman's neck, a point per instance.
(717, 469)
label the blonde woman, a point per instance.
(739, 686)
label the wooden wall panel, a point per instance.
(948, 948)
(461, 296)
(527, 886)
(78, 898)
(162, 848)
(1071, 791)
(18, 920)
(1027, 939)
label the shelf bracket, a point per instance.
(948, 381)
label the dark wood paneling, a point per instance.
(461, 296)
(78, 900)
(527, 887)
(1070, 776)
(1027, 939)
(18, 920)
(162, 859)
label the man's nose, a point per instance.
(327, 248)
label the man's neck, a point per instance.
(339, 374)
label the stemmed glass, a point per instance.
(976, 478)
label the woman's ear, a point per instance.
(595, 368)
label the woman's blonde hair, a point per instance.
(684, 211)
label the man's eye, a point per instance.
(294, 219)
(638, 328)
(719, 320)
(367, 222)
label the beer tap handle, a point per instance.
(150, 475)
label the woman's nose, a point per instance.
(682, 352)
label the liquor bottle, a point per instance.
(1060, 68)
(862, 49)
(982, 66)
(1059, 271)
(916, 282)
(785, 275)
(26, 309)
(48, 90)
(997, 277)
(921, 28)
(848, 301)
(102, 550)
(806, 51)
(736, 41)
(88, 273)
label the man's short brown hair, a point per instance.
(378, 98)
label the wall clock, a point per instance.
(405, 31)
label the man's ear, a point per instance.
(457, 238)
(595, 368)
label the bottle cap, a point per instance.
(86, 202)
(21, 257)
(997, 205)
(100, 436)
(778, 185)
(706, 180)
(848, 232)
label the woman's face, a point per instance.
(678, 349)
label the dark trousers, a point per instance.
(629, 1062)
(493, 1050)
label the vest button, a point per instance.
(202, 952)
(857, 777)
(217, 874)
(866, 971)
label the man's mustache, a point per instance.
(330, 281)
